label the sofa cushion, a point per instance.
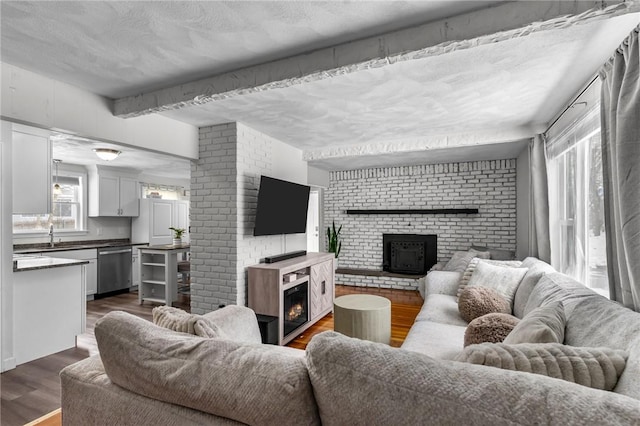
(504, 280)
(597, 368)
(442, 341)
(542, 325)
(178, 320)
(597, 321)
(490, 328)
(249, 383)
(473, 264)
(398, 386)
(460, 259)
(556, 287)
(441, 308)
(477, 301)
(535, 270)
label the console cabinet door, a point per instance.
(321, 281)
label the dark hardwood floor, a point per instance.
(32, 390)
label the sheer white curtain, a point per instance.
(539, 245)
(620, 117)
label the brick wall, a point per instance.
(224, 189)
(214, 220)
(489, 186)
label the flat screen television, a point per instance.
(282, 207)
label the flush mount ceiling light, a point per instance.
(106, 154)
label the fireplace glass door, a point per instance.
(296, 307)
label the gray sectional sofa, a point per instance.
(148, 375)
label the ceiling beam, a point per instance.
(494, 24)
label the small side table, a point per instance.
(363, 316)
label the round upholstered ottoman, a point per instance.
(363, 316)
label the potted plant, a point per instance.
(177, 235)
(333, 240)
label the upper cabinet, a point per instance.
(31, 159)
(112, 192)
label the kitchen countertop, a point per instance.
(72, 245)
(30, 263)
(168, 247)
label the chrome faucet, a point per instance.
(51, 243)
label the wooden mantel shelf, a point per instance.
(415, 211)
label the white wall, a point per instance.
(6, 251)
(39, 101)
(259, 154)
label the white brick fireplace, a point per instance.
(489, 186)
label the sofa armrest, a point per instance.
(442, 282)
(238, 323)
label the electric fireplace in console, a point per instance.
(411, 254)
(295, 307)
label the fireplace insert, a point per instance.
(295, 307)
(412, 254)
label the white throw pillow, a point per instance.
(504, 280)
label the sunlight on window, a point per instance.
(576, 201)
(66, 210)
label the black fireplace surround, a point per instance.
(411, 254)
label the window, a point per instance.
(576, 202)
(67, 209)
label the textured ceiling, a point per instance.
(122, 48)
(495, 91)
(73, 150)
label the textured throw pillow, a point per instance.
(598, 368)
(504, 280)
(544, 324)
(178, 320)
(471, 267)
(477, 301)
(490, 328)
(460, 259)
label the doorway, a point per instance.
(313, 222)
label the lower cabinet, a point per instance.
(91, 269)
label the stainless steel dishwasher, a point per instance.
(114, 270)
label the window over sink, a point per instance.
(68, 210)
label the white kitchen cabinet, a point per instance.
(49, 311)
(112, 193)
(91, 269)
(135, 267)
(31, 159)
(155, 219)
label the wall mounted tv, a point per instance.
(282, 207)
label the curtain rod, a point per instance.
(572, 103)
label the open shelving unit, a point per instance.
(158, 274)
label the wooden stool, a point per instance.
(363, 316)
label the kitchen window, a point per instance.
(576, 202)
(68, 209)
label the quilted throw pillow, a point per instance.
(502, 279)
(178, 320)
(471, 267)
(544, 324)
(597, 368)
(490, 328)
(478, 301)
(460, 259)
